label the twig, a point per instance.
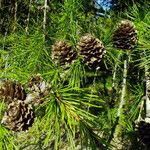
(140, 111)
(45, 12)
(123, 92)
(28, 18)
(116, 141)
(7, 56)
(113, 82)
(15, 15)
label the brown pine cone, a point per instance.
(38, 88)
(125, 35)
(35, 79)
(19, 116)
(63, 54)
(10, 90)
(91, 50)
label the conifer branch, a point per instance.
(15, 15)
(123, 92)
(113, 82)
(7, 56)
(45, 13)
(116, 141)
(28, 18)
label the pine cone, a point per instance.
(35, 79)
(10, 90)
(63, 54)
(143, 131)
(38, 90)
(19, 116)
(92, 51)
(125, 35)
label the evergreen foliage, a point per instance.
(76, 107)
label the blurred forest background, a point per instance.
(74, 74)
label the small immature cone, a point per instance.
(63, 54)
(38, 88)
(125, 35)
(10, 90)
(91, 50)
(19, 116)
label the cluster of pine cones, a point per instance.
(20, 113)
(91, 49)
(92, 52)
